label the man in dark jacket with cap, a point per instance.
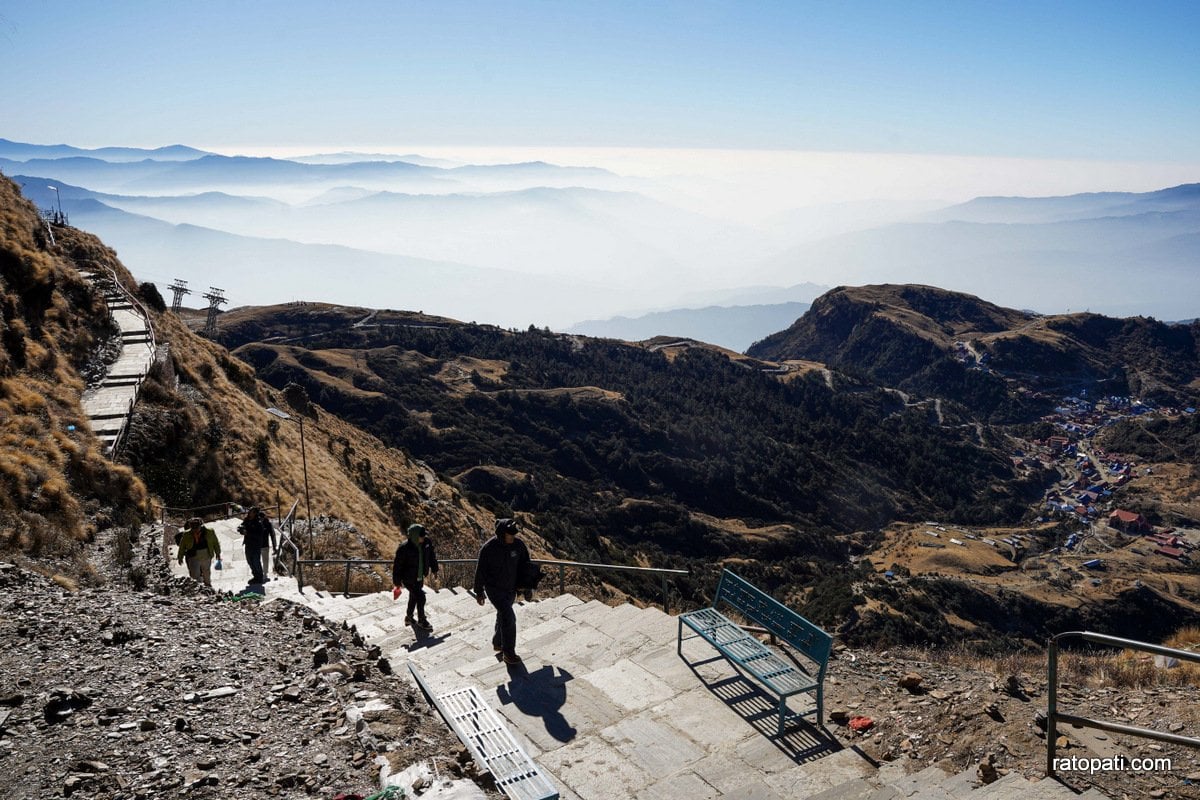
(257, 534)
(414, 560)
(503, 559)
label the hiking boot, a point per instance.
(512, 658)
(424, 625)
(408, 620)
(497, 647)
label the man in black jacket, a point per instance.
(503, 559)
(414, 560)
(257, 533)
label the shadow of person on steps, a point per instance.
(541, 693)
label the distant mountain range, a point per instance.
(552, 245)
(20, 151)
(1116, 253)
(732, 327)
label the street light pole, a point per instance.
(299, 420)
(58, 196)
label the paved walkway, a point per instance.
(109, 405)
(609, 710)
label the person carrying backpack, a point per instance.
(199, 546)
(503, 563)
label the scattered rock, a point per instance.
(183, 703)
(911, 682)
(986, 771)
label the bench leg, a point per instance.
(821, 704)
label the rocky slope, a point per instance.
(159, 687)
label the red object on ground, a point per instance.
(861, 724)
(396, 590)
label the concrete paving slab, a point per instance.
(651, 745)
(703, 719)
(731, 776)
(806, 779)
(618, 621)
(664, 662)
(595, 770)
(553, 707)
(754, 789)
(856, 789)
(685, 784)
(591, 612)
(537, 637)
(630, 686)
(657, 625)
(579, 648)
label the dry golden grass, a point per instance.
(903, 544)
(1124, 669)
(339, 457)
(52, 480)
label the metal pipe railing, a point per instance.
(1053, 716)
(202, 511)
(561, 565)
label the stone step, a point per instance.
(912, 785)
(1016, 787)
(604, 703)
(856, 789)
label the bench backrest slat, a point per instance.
(773, 615)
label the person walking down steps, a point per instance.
(414, 560)
(198, 544)
(503, 560)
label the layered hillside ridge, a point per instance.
(956, 346)
(676, 453)
(669, 453)
(199, 433)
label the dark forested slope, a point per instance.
(650, 449)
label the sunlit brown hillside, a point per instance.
(199, 435)
(56, 487)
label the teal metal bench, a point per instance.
(779, 674)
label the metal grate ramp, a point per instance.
(484, 733)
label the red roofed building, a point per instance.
(1127, 521)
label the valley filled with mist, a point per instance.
(591, 250)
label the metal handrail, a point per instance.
(1053, 716)
(561, 565)
(225, 506)
(285, 526)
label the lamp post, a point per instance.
(58, 196)
(299, 420)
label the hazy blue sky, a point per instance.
(1111, 81)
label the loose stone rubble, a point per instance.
(926, 713)
(175, 691)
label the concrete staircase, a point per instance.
(109, 405)
(607, 708)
